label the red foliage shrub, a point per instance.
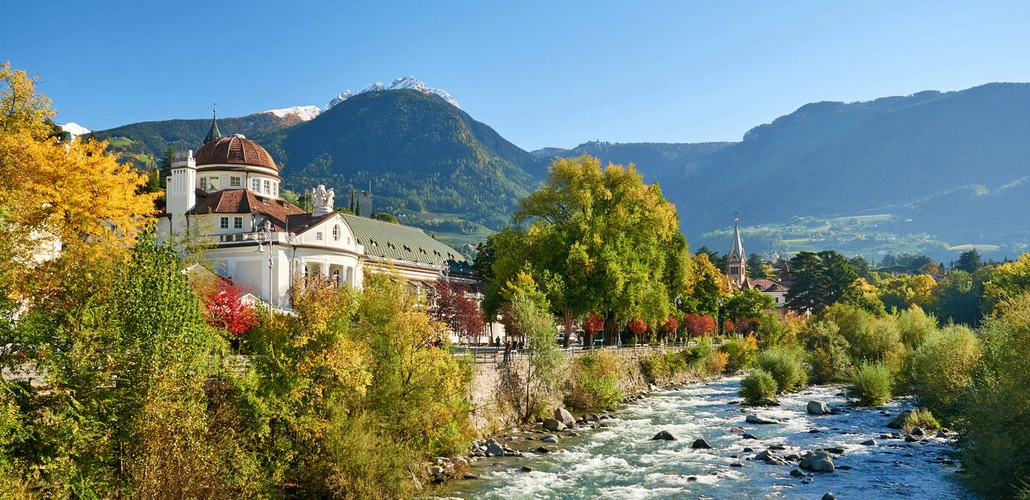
(226, 311)
(638, 326)
(698, 325)
(453, 307)
(594, 323)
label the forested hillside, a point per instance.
(420, 154)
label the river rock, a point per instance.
(737, 430)
(542, 450)
(494, 450)
(829, 496)
(764, 455)
(562, 415)
(817, 408)
(918, 431)
(797, 473)
(748, 435)
(591, 417)
(755, 419)
(869, 442)
(818, 461)
(526, 468)
(700, 444)
(664, 436)
(899, 420)
(550, 440)
(553, 425)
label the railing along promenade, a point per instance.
(490, 354)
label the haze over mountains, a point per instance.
(925, 173)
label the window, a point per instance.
(268, 187)
(336, 232)
(235, 181)
(237, 222)
(275, 189)
(203, 183)
(255, 185)
(318, 236)
(212, 182)
(223, 223)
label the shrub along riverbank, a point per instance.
(975, 382)
(143, 399)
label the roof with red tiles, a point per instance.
(239, 201)
(234, 151)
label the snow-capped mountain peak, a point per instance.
(75, 129)
(407, 82)
(305, 113)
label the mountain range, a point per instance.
(933, 172)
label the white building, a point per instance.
(227, 199)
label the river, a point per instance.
(621, 462)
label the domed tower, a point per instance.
(736, 262)
(223, 173)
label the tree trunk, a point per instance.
(568, 317)
(611, 329)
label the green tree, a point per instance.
(995, 411)
(597, 239)
(969, 261)
(748, 304)
(821, 280)
(166, 167)
(757, 267)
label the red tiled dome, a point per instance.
(234, 151)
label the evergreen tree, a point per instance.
(166, 166)
(969, 261)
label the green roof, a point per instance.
(397, 242)
(213, 133)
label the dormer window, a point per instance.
(336, 233)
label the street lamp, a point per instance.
(263, 235)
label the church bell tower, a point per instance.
(736, 263)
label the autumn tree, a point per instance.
(698, 325)
(706, 286)
(597, 239)
(67, 195)
(453, 307)
(226, 310)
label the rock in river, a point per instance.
(818, 461)
(755, 419)
(562, 415)
(664, 436)
(817, 408)
(553, 425)
(701, 444)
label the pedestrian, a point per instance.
(507, 351)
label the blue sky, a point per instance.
(547, 73)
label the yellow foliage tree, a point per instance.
(59, 195)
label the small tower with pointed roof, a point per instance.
(736, 262)
(213, 134)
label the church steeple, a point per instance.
(213, 134)
(736, 263)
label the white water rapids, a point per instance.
(621, 462)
